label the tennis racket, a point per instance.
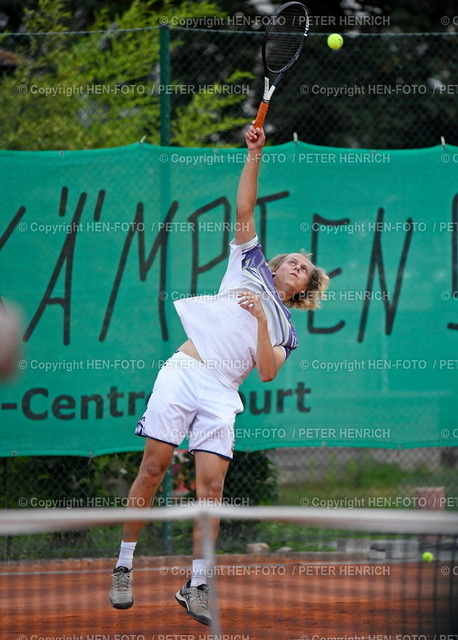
(283, 41)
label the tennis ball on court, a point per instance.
(427, 556)
(335, 41)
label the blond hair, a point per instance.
(316, 287)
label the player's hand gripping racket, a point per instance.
(283, 42)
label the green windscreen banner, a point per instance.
(95, 247)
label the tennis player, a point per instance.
(246, 325)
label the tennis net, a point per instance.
(308, 574)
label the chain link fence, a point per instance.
(199, 87)
(333, 478)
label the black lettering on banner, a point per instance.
(11, 227)
(26, 402)
(223, 201)
(112, 396)
(132, 398)
(61, 404)
(36, 403)
(254, 400)
(281, 393)
(267, 403)
(144, 264)
(261, 202)
(64, 265)
(317, 221)
(99, 205)
(196, 269)
(64, 261)
(453, 325)
(63, 201)
(301, 390)
(377, 262)
(85, 400)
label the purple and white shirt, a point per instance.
(224, 334)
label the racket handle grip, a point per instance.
(261, 115)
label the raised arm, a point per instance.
(248, 186)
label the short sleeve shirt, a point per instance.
(225, 334)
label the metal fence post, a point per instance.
(164, 60)
(164, 45)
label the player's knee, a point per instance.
(211, 488)
(152, 471)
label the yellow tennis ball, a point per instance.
(335, 41)
(427, 556)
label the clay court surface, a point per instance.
(283, 598)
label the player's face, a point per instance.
(294, 272)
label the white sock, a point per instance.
(199, 572)
(126, 554)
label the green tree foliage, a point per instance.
(199, 122)
(405, 15)
(107, 88)
(95, 90)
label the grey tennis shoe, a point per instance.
(195, 600)
(121, 588)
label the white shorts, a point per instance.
(188, 400)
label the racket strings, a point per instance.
(285, 36)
